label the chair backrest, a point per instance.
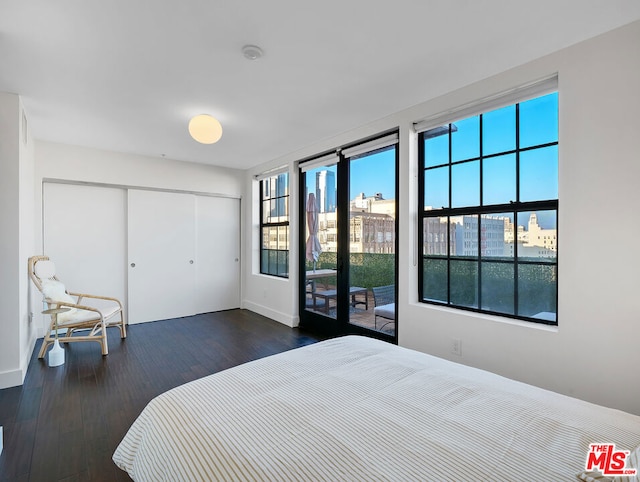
(384, 295)
(41, 268)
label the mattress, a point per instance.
(354, 408)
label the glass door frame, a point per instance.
(340, 324)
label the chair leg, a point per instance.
(104, 343)
(47, 340)
(43, 350)
(123, 327)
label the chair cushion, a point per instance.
(386, 311)
(81, 316)
(54, 290)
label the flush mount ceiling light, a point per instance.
(205, 129)
(252, 52)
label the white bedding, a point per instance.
(354, 408)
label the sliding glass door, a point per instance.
(349, 238)
(320, 272)
(372, 239)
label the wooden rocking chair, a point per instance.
(85, 320)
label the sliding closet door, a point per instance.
(84, 234)
(218, 254)
(161, 257)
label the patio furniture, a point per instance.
(384, 302)
(358, 296)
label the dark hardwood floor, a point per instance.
(65, 422)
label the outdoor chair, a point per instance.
(87, 317)
(384, 304)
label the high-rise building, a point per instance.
(326, 191)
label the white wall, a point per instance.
(593, 354)
(273, 297)
(26, 219)
(16, 241)
(74, 163)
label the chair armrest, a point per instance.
(74, 305)
(97, 297)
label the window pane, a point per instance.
(492, 236)
(538, 236)
(539, 121)
(283, 237)
(265, 189)
(264, 261)
(435, 279)
(435, 236)
(464, 240)
(539, 174)
(537, 291)
(465, 184)
(499, 180)
(273, 238)
(465, 139)
(464, 283)
(499, 130)
(283, 263)
(436, 188)
(436, 146)
(273, 261)
(281, 185)
(498, 287)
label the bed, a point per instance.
(354, 408)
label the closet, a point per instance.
(165, 254)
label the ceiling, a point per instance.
(127, 75)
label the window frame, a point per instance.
(266, 226)
(513, 208)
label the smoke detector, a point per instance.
(252, 52)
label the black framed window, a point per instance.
(489, 210)
(274, 225)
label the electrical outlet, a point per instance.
(456, 346)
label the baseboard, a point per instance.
(15, 378)
(26, 358)
(284, 318)
(12, 378)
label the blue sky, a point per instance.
(374, 173)
(538, 168)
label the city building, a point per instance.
(372, 225)
(326, 191)
(497, 235)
